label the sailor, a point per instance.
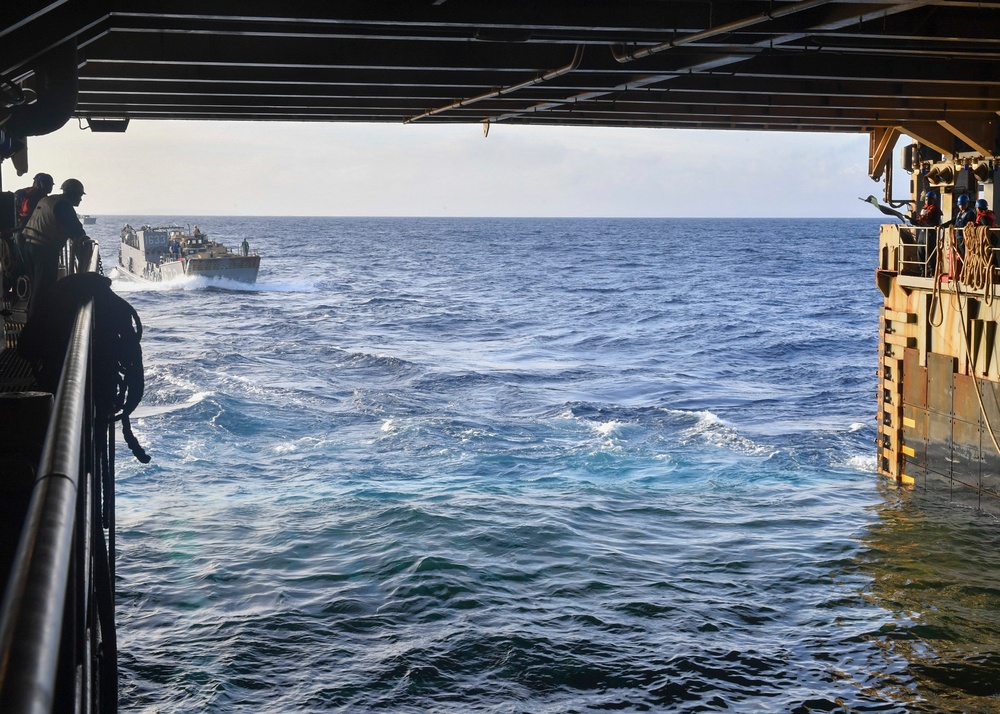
(245, 248)
(930, 214)
(175, 249)
(53, 222)
(965, 215)
(25, 199)
(984, 216)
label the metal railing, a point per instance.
(58, 650)
(915, 250)
(918, 251)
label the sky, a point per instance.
(313, 169)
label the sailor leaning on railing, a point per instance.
(53, 222)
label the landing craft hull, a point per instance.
(241, 269)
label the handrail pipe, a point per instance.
(31, 624)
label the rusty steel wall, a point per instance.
(939, 383)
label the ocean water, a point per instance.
(495, 465)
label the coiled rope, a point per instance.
(977, 273)
(117, 355)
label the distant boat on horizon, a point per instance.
(89, 220)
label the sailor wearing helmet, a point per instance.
(984, 216)
(53, 222)
(930, 214)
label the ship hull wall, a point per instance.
(939, 379)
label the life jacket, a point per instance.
(930, 215)
(986, 218)
(43, 226)
(25, 200)
(965, 218)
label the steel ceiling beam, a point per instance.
(814, 65)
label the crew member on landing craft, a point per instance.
(984, 216)
(245, 248)
(50, 226)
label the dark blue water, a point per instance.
(474, 465)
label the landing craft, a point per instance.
(153, 255)
(927, 70)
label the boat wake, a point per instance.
(123, 285)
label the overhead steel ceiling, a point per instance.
(928, 69)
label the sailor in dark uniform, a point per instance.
(53, 222)
(965, 215)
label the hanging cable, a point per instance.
(936, 291)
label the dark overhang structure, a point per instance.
(927, 69)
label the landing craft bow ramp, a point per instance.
(930, 70)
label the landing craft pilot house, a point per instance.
(929, 70)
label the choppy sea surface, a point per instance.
(496, 465)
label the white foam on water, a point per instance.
(149, 411)
(121, 284)
(609, 435)
(865, 463)
(167, 374)
(712, 430)
(608, 428)
(291, 446)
